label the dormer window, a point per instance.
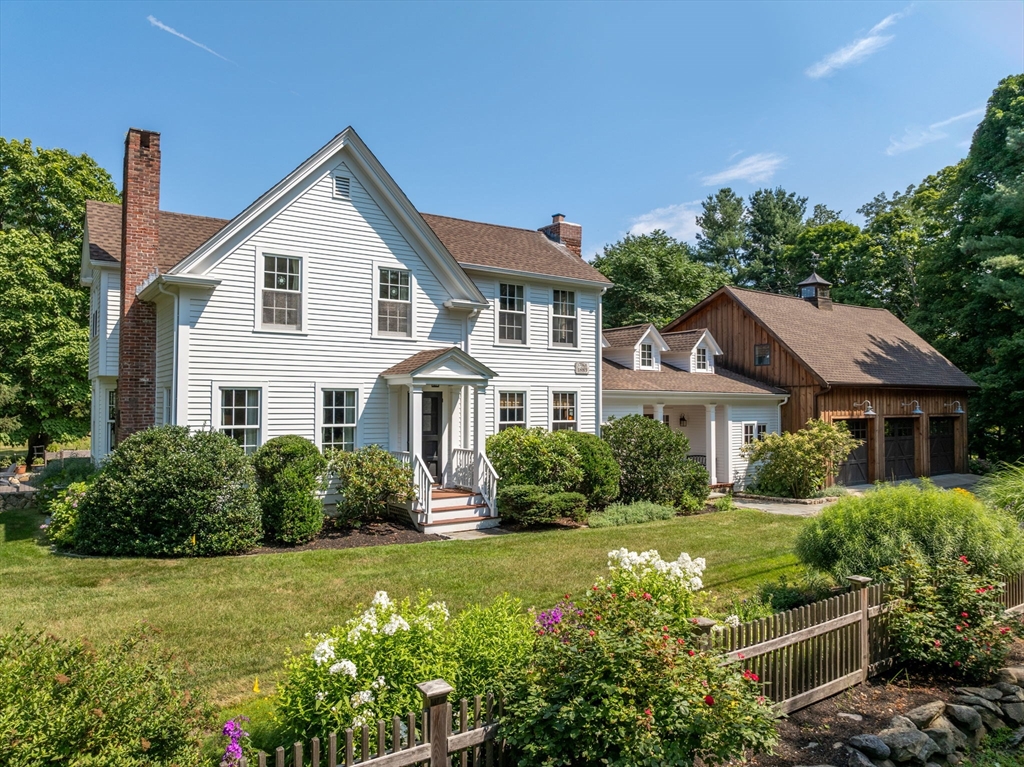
(701, 359)
(646, 356)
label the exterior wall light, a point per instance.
(866, 404)
(917, 407)
(958, 410)
(682, 420)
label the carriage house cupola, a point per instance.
(817, 290)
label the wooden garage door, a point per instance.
(899, 448)
(854, 470)
(942, 445)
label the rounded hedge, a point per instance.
(859, 535)
(600, 483)
(651, 457)
(167, 492)
(289, 472)
(535, 457)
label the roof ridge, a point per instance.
(798, 298)
(627, 327)
(487, 223)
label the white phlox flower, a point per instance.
(732, 620)
(324, 651)
(344, 666)
(378, 683)
(685, 571)
(396, 623)
(382, 601)
(321, 695)
(361, 698)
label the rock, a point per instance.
(989, 693)
(1014, 711)
(812, 744)
(990, 720)
(857, 759)
(1011, 675)
(977, 702)
(954, 759)
(872, 745)
(965, 715)
(1016, 738)
(922, 716)
(884, 763)
(907, 745)
(837, 745)
(851, 717)
(975, 738)
(1007, 689)
(945, 740)
(942, 723)
(901, 723)
(933, 764)
(1014, 697)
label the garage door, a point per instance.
(854, 470)
(942, 445)
(899, 448)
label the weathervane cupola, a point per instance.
(816, 290)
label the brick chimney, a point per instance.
(561, 231)
(140, 235)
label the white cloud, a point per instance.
(680, 221)
(915, 137)
(858, 50)
(757, 167)
(160, 25)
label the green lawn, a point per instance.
(232, 618)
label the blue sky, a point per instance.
(621, 116)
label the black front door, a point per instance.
(899, 448)
(943, 450)
(432, 433)
(854, 470)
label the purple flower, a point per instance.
(234, 732)
(549, 618)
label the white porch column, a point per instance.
(416, 422)
(659, 412)
(710, 432)
(478, 430)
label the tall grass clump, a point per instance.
(618, 514)
(1004, 489)
(861, 535)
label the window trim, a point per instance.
(708, 364)
(110, 424)
(497, 315)
(650, 347)
(318, 410)
(375, 267)
(551, 320)
(257, 319)
(767, 356)
(231, 383)
(552, 391)
(758, 430)
(497, 405)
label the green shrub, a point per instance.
(368, 480)
(368, 668)
(69, 703)
(600, 483)
(63, 521)
(725, 503)
(859, 535)
(948, 617)
(618, 514)
(565, 506)
(523, 504)
(289, 472)
(57, 475)
(651, 457)
(691, 487)
(804, 589)
(1004, 489)
(796, 464)
(535, 457)
(166, 492)
(617, 678)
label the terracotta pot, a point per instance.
(22, 469)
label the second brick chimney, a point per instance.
(140, 239)
(561, 231)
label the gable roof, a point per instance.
(626, 337)
(856, 345)
(507, 248)
(616, 377)
(430, 359)
(683, 340)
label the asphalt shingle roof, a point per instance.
(616, 377)
(626, 336)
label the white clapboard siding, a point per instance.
(766, 414)
(95, 299)
(165, 328)
(110, 322)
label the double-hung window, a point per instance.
(511, 314)
(563, 318)
(511, 409)
(240, 416)
(646, 356)
(753, 430)
(762, 430)
(701, 362)
(394, 302)
(282, 292)
(339, 425)
(563, 410)
(111, 419)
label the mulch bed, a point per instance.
(373, 534)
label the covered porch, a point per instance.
(704, 424)
(436, 408)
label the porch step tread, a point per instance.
(460, 508)
(450, 493)
(457, 520)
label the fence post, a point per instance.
(860, 582)
(435, 700)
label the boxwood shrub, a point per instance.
(600, 482)
(167, 492)
(535, 457)
(289, 471)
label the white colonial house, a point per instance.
(331, 308)
(672, 377)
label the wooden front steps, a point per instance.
(456, 510)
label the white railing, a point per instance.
(402, 455)
(424, 482)
(461, 468)
(488, 486)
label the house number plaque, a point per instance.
(582, 368)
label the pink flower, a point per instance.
(647, 712)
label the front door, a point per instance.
(943, 445)
(854, 470)
(432, 433)
(899, 448)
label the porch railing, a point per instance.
(701, 459)
(488, 484)
(461, 467)
(402, 455)
(424, 482)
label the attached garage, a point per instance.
(899, 448)
(942, 444)
(854, 470)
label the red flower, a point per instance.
(647, 596)
(963, 615)
(709, 700)
(956, 663)
(664, 628)
(680, 641)
(647, 712)
(740, 655)
(691, 653)
(964, 560)
(597, 617)
(938, 643)
(591, 633)
(748, 674)
(959, 627)
(1004, 630)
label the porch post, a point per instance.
(416, 422)
(478, 431)
(710, 430)
(659, 412)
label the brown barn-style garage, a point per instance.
(852, 363)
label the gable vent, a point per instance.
(341, 186)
